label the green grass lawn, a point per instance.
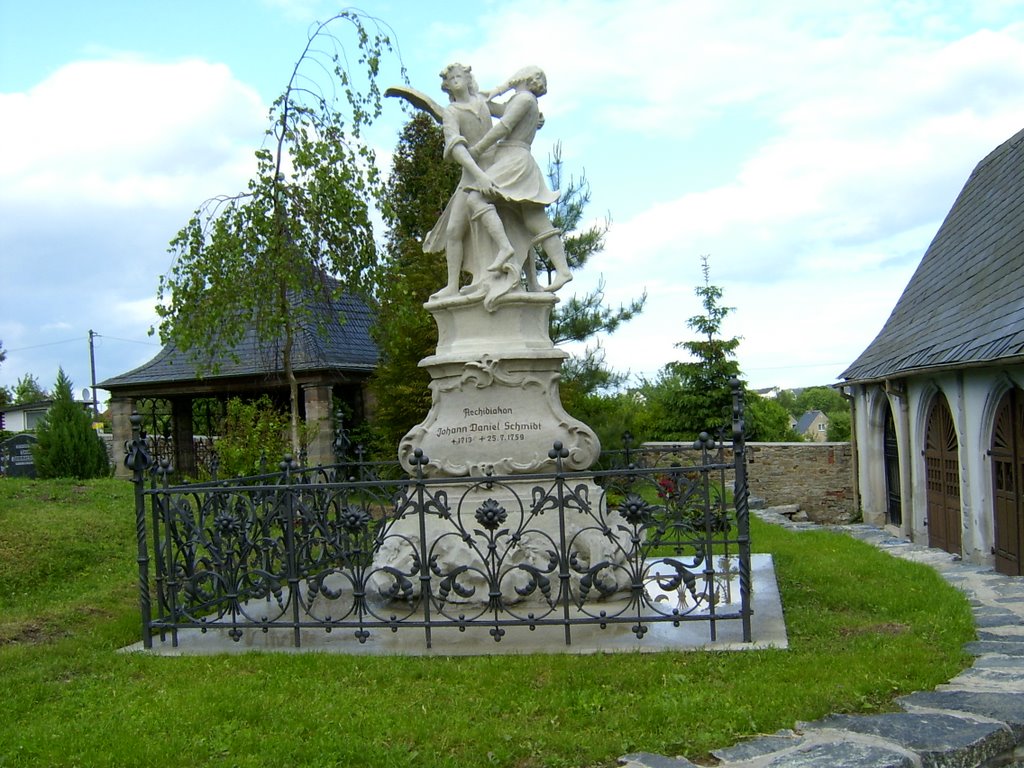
(863, 629)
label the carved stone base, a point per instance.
(496, 412)
(508, 540)
(494, 384)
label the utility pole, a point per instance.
(92, 365)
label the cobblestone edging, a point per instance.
(976, 720)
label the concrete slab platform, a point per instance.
(768, 630)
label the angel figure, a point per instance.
(502, 192)
(464, 121)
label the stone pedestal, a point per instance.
(496, 413)
(494, 383)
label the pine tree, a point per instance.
(581, 317)
(694, 396)
(67, 444)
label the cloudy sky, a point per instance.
(811, 149)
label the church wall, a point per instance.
(973, 396)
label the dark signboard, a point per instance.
(16, 456)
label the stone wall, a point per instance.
(816, 477)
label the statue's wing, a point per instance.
(418, 100)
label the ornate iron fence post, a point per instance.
(741, 499)
(289, 466)
(138, 460)
(418, 461)
(167, 585)
(559, 453)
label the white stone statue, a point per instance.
(497, 213)
(495, 408)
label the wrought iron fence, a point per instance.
(654, 539)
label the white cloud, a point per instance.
(871, 134)
(107, 159)
(129, 132)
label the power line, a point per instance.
(129, 341)
(48, 344)
(78, 341)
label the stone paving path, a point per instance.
(974, 720)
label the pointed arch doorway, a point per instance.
(891, 459)
(1007, 473)
(942, 473)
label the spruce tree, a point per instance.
(67, 444)
(694, 396)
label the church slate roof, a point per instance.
(340, 341)
(964, 305)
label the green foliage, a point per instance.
(824, 399)
(305, 214)
(580, 317)
(695, 396)
(767, 421)
(6, 396)
(586, 376)
(207, 415)
(609, 415)
(254, 433)
(828, 400)
(67, 445)
(787, 399)
(416, 194)
(28, 390)
(839, 426)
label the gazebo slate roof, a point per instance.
(964, 306)
(337, 340)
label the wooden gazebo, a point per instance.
(333, 357)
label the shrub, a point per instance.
(67, 444)
(253, 432)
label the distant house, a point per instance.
(23, 418)
(332, 360)
(813, 425)
(938, 396)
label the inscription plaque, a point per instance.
(16, 459)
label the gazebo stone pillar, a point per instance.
(319, 401)
(121, 429)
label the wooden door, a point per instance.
(942, 471)
(1007, 448)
